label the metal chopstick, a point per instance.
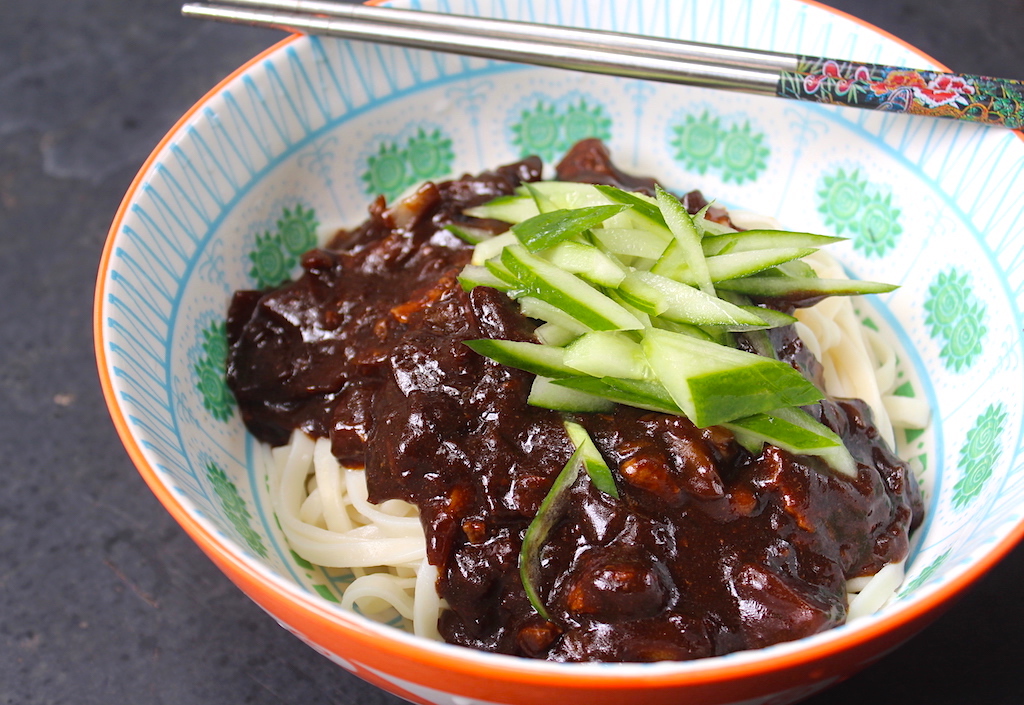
(501, 48)
(982, 99)
(493, 28)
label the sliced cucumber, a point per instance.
(794, 430)
(714, 384)
(606, 354)
(641, 394)
(566, 291)
(587, 261)
(796, 268)
(644, 207)
(552, 227)
(489, 249)
(778, 287)
(626, 287)
(593, 462)
(501, 272)
(473, 275)
(661, 296)
(742, 264)
(553, 334)
(548, 395)
(564, 194)
(510, 209)
(749, 240)
(685, 254)
(467, 233)
(538, 359)
(633, 242)
(532, 307)
(771, 317)
(550, 512)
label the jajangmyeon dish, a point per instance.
(514, 465)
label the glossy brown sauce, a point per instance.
(708, 549)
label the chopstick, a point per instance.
(982, 99)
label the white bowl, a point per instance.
(296, 143)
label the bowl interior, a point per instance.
(297, 144)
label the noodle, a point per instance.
(325, 516)
(327, 519)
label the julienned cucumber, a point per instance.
(795, 431)
(593, 462)
(714, 384)
(787, 287)
(585, 457)
(564, 290)
(628, 289)
(547, 516)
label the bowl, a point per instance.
(297, 142)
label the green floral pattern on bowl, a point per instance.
(851, 205)
(956, 318)
(979, 454)
(235, 508)
(704, 142)
(209, 372)
(396, 167)
(276, 253)
(551, 125)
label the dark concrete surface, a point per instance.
(103, 599)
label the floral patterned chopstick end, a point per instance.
(993, 101)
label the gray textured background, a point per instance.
(103, 599)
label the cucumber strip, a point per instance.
(493, 247)
(606, 354)
(467, 233)
(552, 227)
(796, 268)
(771, 317)
(643, 206)
(714, 384)
(773, 286)
(761, 343)
(532, 307)
(642, 295)
(742, 264)
(688, 329)
(795, 431)
(567, 291)
(510, 209)
(686, 251)
(641, 394)
(541, 200)
(593, 462)
(538, 359)
(553, 334)
(661, 296)
(472, 276)
(550, 512)
(500, 271)
(564, 194)
(712, 228)
(547, 395)
(616, 296)
(633, 242)
(587, 261)
(749, 240)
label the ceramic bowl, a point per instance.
(298, 141)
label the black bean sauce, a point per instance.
(709, 549)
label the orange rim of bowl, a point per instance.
(514, 669)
